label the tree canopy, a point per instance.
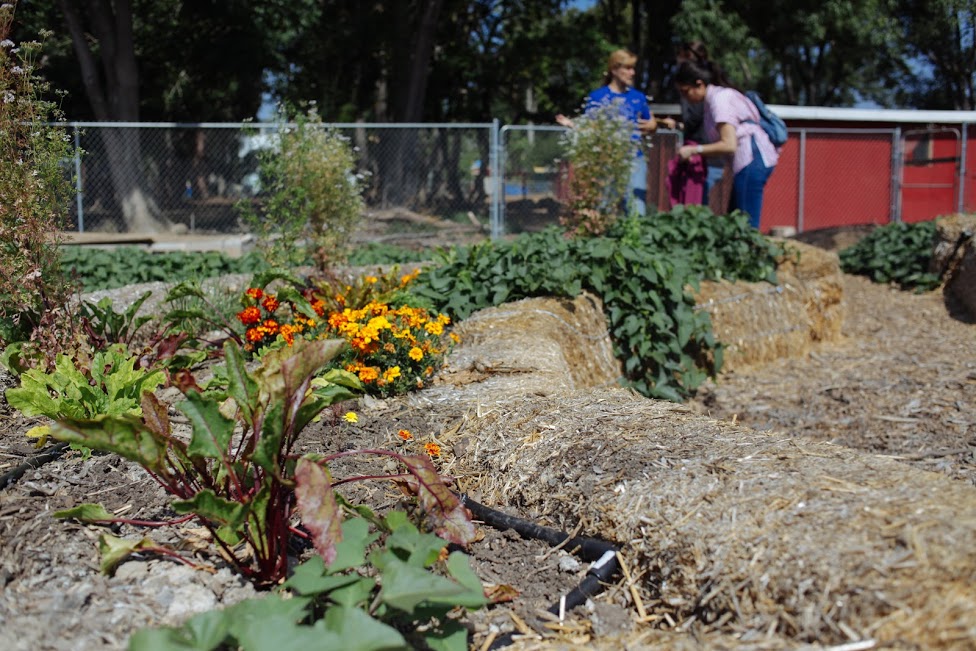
(476, 60)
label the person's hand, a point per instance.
(564, 121)
(647, 126)
(685, 152)
(668, 123)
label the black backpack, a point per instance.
(771, 123)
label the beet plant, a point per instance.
(237, 474)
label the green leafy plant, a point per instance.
(35, 191)
(237, 475)
(310, 192)
(898, 253)
(103, 325)
(95, 269)
(110, 385)
(642, 269)
(600, 150)
(397, 594)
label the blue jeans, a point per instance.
(748, 186)
(713, 175)
(637, 187)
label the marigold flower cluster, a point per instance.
(264, 324)
(392, 350)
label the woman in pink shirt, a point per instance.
(732, 127)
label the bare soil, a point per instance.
(901, 383)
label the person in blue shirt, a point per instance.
(618, 89)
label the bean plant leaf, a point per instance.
(443, 508)
(318, 507)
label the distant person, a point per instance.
(618, 88)
(692, 123)
(732, 128)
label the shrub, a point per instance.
(35, 191)
(898, 253)
(310, 192)
(600, 151)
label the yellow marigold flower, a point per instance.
(432, 449)
(254, 293)
(391, 373)
(455, 338)
(405, 434)
(351, 417)
(371, 280)
(288, 333)
(435, 328)
(416, 354)
(368, 373)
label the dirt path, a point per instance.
(901, 383)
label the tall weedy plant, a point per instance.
(310, 193)
(34, 191)
(599, 149)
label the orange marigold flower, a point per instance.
(270, 326)
(416, 354)
(319, 307)
(455, 338)
(254, 334)
(389, 347)
(432, 449)
(371, 280)
(270, 303)
(405, 434)
(429, 371)
(249, 315)
(255, 293)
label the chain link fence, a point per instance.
(441, 184)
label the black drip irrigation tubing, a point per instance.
(36, 461)
(600, 553)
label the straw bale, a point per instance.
(532, 346)
(759, 322)
(734, 532)
(954, 258)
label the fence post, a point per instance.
(801, 182)
(498, 182)
(78, 189)
(896, 163)
(961, 199)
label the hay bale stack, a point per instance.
(739, 535)
(760, 322)
(954, 258)
(535, 346)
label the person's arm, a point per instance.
(564, 121)
(726, 144)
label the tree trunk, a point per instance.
(114, 97)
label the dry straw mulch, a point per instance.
(733, 538)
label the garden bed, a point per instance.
(824, 498)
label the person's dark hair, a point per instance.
(697, 53)
(692, 51)
(689, 72)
